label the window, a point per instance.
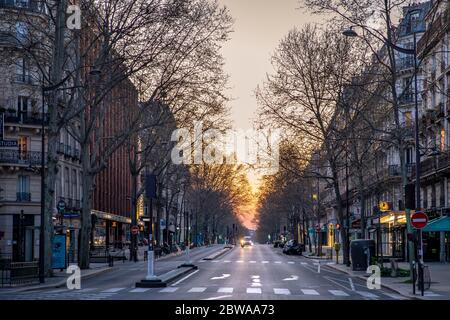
(408, 118)
(22, 107)
(74, 184)
(21, 31)
(22, 71)
(414, 20)
(22, 3)
(23, 188)
(66, 183)
(23, 146)
(442, 139)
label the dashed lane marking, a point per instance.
(338, 293)
(197, 290)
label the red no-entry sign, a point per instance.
(419, 220)
(134, 229)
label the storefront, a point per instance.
(436, 240)
(389, 233)
(109, 229)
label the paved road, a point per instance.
(260, 272)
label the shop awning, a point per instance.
(438, 225)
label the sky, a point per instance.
(258, 28)
(259, 25)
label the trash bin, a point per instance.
(361, 252)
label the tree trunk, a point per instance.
(85, 232)
(134, 199)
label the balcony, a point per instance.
(394, 170)
(23, 197)
(405, 64)
(30, 158)
(76, 154)
(29, 5)
(25, 78)
(31, 118)
(407, 98)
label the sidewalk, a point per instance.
(440, 277)
(59, 278)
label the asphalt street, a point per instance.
(260, 272)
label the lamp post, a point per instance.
(351, 33)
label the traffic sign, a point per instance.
(419, 220)
(61, 205)
(134, 230)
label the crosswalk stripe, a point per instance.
(303, 263)
(168, 290)
(310, 292)
(215, 261)
(139, 290)
(265, 261)
(338, 293)
(277, 262)
(112, 290)
(281, 291)
(291, 262)
(367, 294)
(254, 290)
(227, 261)
(252, 261)
(240, 261)
(225, 290)
(197, 289)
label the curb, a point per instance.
(165, 278)
(218, 254)
(382, 285)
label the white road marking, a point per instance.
(217, 298)
(168, 290)
(139, 290)
(281, 291)
(252, 261)
(338, 293)
(112, 290)
(225, 290)
(265, 261)
(255, 277)
(227, 261)
(254, 284)
(291, 262)
(367, 294)
(432, 294)
(61, 290)
(277, 262)
(292, 278)
(223, 276)
(196, 289)
(240, 261)
(215, 261)
(182, 279)
(395, 296)
(310, 292)
(303, 263)
(254, 290)
(351, 284)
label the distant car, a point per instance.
(292, 247)
(246, 241)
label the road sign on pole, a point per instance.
(134, 230)
(419, 220)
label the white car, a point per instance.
(246, 241)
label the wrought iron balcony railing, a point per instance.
(30, 158)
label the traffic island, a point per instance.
(217, 254)
(166, 278)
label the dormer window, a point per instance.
(414, 20)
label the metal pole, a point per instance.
(418, 202)
(151, 256)
(41, 229)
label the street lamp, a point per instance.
(351, 33)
